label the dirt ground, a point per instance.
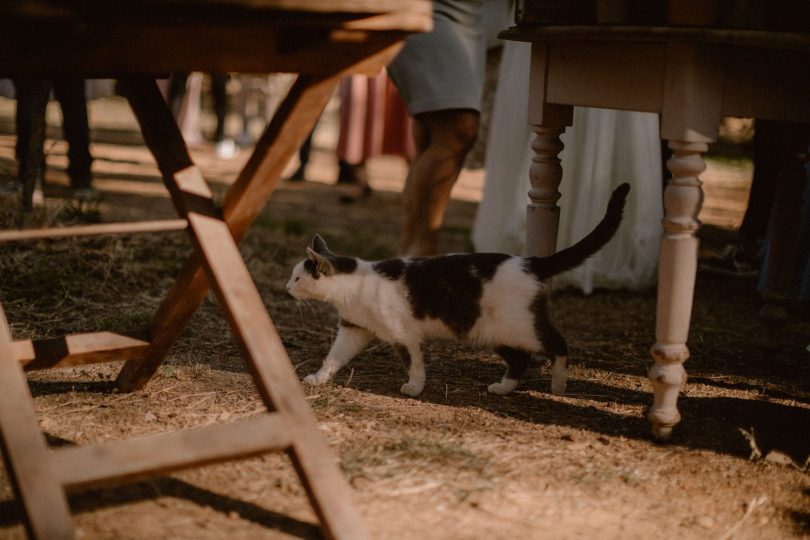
(455, 463)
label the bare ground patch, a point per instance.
(456, 463)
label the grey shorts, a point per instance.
(444, 69)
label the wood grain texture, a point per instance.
(294, 119)
(83, 467)
(28, 464)
(276, 380)
(79, 349)
(310, 37)
(137, 227)
(216, 242)
(662, 34)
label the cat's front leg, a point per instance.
(350, 340)
(412, 356)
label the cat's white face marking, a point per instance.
(302, 285)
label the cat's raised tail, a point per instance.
(546, 267)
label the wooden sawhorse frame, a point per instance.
(41, 476)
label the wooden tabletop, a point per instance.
(608, 32)
(104, 39)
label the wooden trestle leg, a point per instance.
(295, 118)
(217, 262)
(41, 477)
(25, 451)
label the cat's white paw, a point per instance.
(319, 377)
(412, 389)
(503, 387)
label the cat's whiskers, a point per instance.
(300, 302)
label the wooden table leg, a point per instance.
(36, 485)
(689, 119)
(683, 197)
(276, 379)
(218, 254)
(291, 124)
(295, 118)
(548, 122)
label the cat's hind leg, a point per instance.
(350, 340)
(412, 356)
(517, 362)
(553, 343)
(557, 348)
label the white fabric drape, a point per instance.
(603, 149)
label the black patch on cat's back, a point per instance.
(553, 342)
(449, 288)
(390, 268)
(486, 264)
(343, 265)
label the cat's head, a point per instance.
(313, 278)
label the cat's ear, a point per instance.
(319, 244)
(322, 264)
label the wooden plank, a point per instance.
(212, 9)
(79, 349)
(276, 379)
(605, 33)
(28, 464)
(573, 74)
(96, 229)
(254, 48)
(82, 467)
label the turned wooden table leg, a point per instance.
(548, 121)
(545, 174)
(683, 197)
(543, 215)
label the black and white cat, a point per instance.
(488, 299)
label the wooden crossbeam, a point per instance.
(295, 118)
(218, 263)
(83, 467)
(164, 225)
(79, 349)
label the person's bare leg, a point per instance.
(443, 139)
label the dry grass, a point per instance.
(454, 463)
